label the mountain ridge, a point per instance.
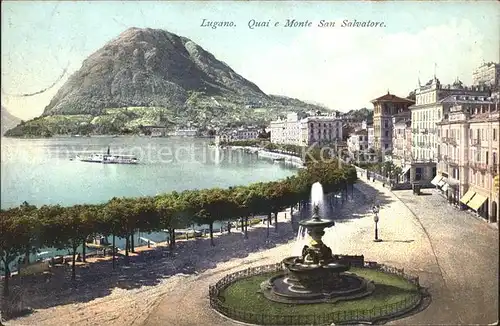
(8, 120)
(150, 76)
(147, 67)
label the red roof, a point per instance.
(392, 98)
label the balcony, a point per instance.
(453, 162)
(475, 142)
(479, 166)
(449, 140)
(494, 169)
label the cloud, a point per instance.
(347, 67)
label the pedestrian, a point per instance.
(285, 215)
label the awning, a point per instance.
(467, 197)
(436, 179)
(406, 169)
(476, 201)
(445, 187)
(441, 182)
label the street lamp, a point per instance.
(375, 210)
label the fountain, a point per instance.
(316, 275)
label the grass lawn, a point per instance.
(243, 295)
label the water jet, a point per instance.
(316, 275)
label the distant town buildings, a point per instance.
(242, 133)
(186, 132)
(469, 154)
(384, 108)
(321, 129)
(156, 131)
(487, 74)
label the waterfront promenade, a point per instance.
(454, 254)
(461, 275)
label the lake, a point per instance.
(41, 171)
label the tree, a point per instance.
(112, 222)
(76, 223)
(244, 198)
(32, 225)
(277, 194)
(15, 228)
(214, 205)
(172, 210)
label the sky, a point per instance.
(342, 68)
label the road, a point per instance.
(466, 249)
(454, 254)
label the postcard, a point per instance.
(257, 162)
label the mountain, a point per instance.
(8, 120)
(150, 77)
(147, 67)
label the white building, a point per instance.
(358, 141)
(371, 135)
(286, 131)
(487, 74)
(321, 129)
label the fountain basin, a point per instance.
(312, 276)
(283, 289)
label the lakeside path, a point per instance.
(454, 254)
(461, 274)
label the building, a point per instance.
(358, 142)
(320, 129)
(156, 131)
(371, 135)
(247, 133)
(186, 132)
(286, 131)
(433, 101)
(237, 134)
(469, 155)
(401, 146)
(384, 108)
(487, 74)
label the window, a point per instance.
(487, 158)
(386, 146)
(418, 174)
(387, 133)
(494, 134)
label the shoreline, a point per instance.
(137, 290)
(296, 161)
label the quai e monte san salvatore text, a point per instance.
(294, 23)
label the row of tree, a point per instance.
(26, 229)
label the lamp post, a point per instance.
(375, 210)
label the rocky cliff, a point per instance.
(147, 68)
